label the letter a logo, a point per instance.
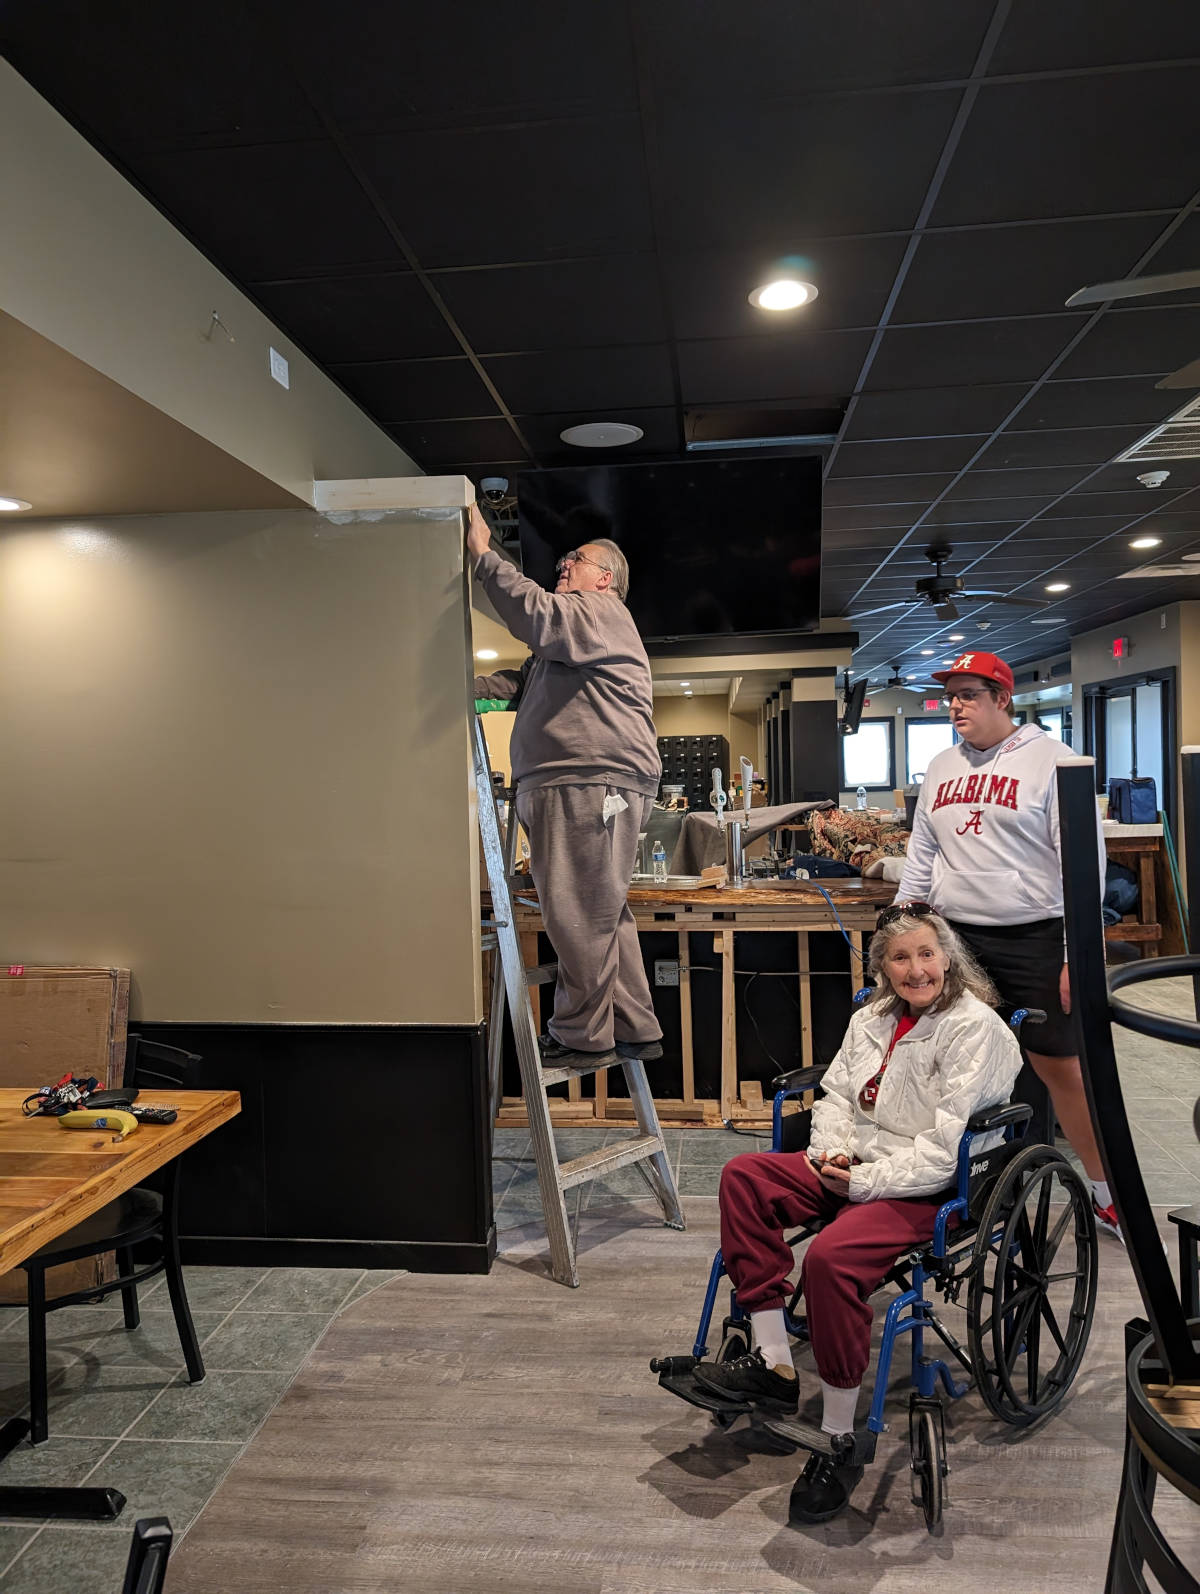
(974, 822)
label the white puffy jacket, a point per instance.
(948, 1066)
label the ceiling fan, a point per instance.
(1138, 288)
(942, 592)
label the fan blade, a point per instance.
(882, 609)
(1186, 376)
(1134, 288)
(945, 611)
(1004, 597)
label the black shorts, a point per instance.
(1024, 962)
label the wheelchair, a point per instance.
(1014, 1244)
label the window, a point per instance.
(1051, 721)
(867, 756)
(923, 740)
(1129, 729)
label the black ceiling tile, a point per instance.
(869, 521)
(148, 75)
(1089, 33)
(1084, 446)
(1170, 523)
(905, 456)
(502, 194)
(379, 316)
(708, 290)
(1031, 270)
(660, 429)
(1100, 506)
(417, 390)
(1119, 401)
(743, 370)
(559, 305)
(970, 352)
(762, 50)
(828, 165)
(435, 444)
(384, 63)
(991, 484)
(584, 379)
(855, 490)
(1075, 147)
(1123, 477)
(1012, 510)
(1180, 252)
(932, 411)
(1137, 342)
(255, 210)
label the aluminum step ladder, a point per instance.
(647, 1150)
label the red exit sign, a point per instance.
(932, 704)
(1120, 647)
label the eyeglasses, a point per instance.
(575, 557)
(967, 695)
(903, 910)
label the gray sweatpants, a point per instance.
(582, 868)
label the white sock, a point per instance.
(1102, 1193)
(768, 1334)
(838, 1414)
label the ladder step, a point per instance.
(557, 1076)
(541, 974)
(594, 1163)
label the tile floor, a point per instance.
(122, 1414)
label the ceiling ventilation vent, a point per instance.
(1177, 438)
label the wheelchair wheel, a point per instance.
(1033, 1286)
(926, 1448)
(735, 1342)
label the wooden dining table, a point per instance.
(52, 1178)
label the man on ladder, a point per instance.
(586, 766)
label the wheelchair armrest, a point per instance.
(998, 1117)
(799, 1080)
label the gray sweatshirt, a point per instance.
(585, 701)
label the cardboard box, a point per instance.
(56, 1020)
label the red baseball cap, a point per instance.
(986, 665)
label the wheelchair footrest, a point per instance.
(807, 1437)
(675, 1374)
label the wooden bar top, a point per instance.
(52, 1178)
(776, 894)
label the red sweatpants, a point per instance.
(765, 1192)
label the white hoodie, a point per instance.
(985, 845)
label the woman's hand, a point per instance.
(1064, 989)
(834, 1173)
(479, 536)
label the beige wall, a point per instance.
(707, 714)
(92, 266)
(239, 762)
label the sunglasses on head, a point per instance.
(903, 910)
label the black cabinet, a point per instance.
(689, 761)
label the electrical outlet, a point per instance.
(666, 971)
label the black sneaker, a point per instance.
(749, 1378)
(823, 1488)
(640, 1051)
(555, 1054)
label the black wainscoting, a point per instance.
(356, 1146)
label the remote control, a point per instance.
(154, 1115)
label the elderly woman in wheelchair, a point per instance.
(910, 1155)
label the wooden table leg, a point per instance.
(806, 1034)
(685, 1020)
(1148, 902)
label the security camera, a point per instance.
(494, 490)
(1154, 478)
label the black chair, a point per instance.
(146, 1569)
(147, 1213)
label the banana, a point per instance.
(121, 1123)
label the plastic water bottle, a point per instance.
(659, 862)
(862, 796)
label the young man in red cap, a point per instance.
(986, 853)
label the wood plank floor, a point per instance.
(504, 1434)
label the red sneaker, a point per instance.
(1106, 1220)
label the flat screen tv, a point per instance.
(852, 707)
(715, 547)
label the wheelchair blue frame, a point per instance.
(927, 1371)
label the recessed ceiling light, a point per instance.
(785, 293)
(947, 661)
(601, 434)
(1058, 586)
(487, 653)
(957, 637)
(688, 694)
(1145, 542)
(1050, 619)
(11, 505)
(927, 653)
(910, 677)
(685, 683)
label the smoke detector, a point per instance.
(1154, 478)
